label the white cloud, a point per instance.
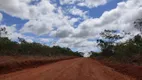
(120, 18)
(67, 2)
(37, 27)
(44, 40)
(43, 17)
(78, 12)
(62, 32)
(46, 18)
(22, 8)
(73, 20)
(90, 3)
(47, 40)
(77, 43)
(17, 8)
(11, 31)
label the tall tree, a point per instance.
(107, 43)
(3, 31)
(138, 24)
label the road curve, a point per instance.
(73, 69)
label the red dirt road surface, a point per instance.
(73, 69)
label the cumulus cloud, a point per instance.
(90, 3)
(43, 17)
(120, 18)
(74, 20)
(62, 32)
(46, 18)
(46, 39)
(82, 45)
(37, 27)
(18, 8)
(78, 12)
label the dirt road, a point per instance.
(74, 69)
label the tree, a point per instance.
(107, 42)
(95, 54)
(8, 47)
(138, 24)
(3, 31)
(22, 40)
(138, 43)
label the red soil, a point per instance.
(73, 69)
(127, 69)
(15, 63)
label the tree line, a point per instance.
(12, 48)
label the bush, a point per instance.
(8, 47)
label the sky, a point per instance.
(76, 24)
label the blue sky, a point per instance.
(67, 23)
(97, 12)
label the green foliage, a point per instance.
(95, 54)
(107, 43)
(138, 24)
(127, 52)
(8, 47)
